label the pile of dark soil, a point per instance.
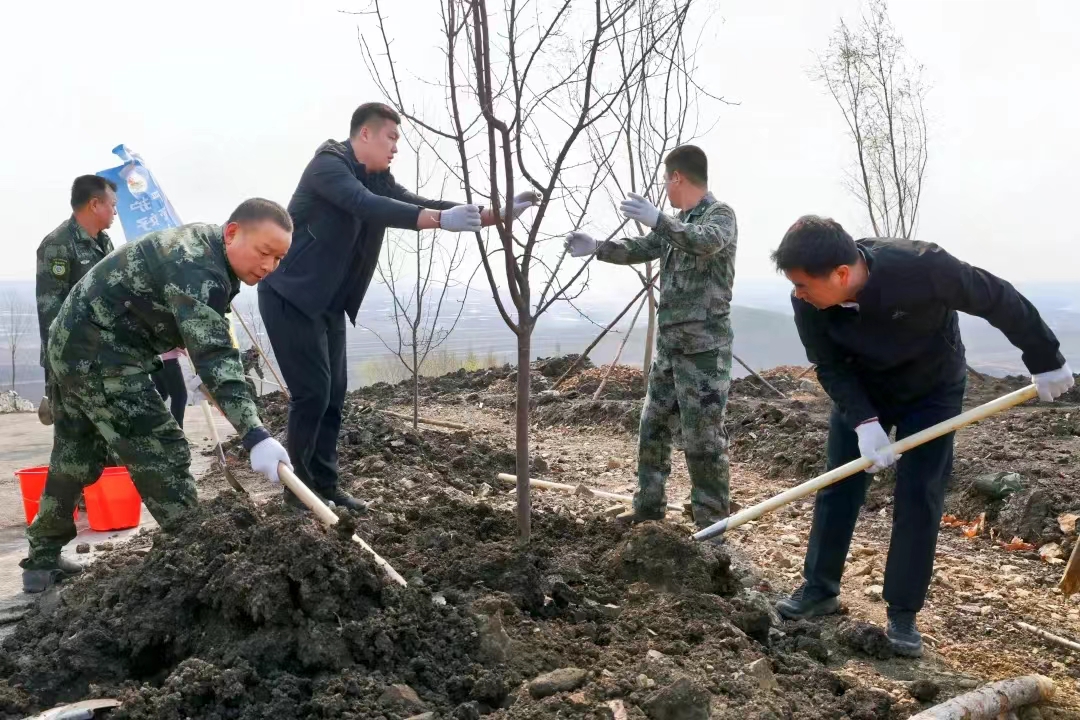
(242, 612)
(791, 380)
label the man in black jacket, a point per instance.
(879, 319)
(345, 200)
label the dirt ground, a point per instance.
(249, 609)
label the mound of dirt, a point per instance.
(623, 383)
(659, 555)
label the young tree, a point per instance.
(879, 89)
(419, 270)
(18, 318)
(524, 86)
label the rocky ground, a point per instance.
(250, 610)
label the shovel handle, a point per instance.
(844, 471)
(329, 518)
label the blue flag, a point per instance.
(140, 202)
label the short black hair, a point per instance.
(370, 111)
(87, 187)
(256, 210)
(816, 246)
(690, 162)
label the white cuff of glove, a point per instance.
(1052, 385)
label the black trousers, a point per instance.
(169, 381)
(919, 498)
(311, 355)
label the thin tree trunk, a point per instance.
(415, 386)
(523, 387)
(650, 334)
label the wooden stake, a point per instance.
(1070, 579)
(901, 446)
(755, 374)
(581, 489)
(438, 423)
(327, 516)
(805, 372)
(1050, 637)
(992, 701)
(258, 347)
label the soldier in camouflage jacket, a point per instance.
(68, 253)
(691, 374)
(169, 289)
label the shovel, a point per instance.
(327, 516)
(217, 445)
(844, 471)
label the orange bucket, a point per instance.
(113, 503)
(32, 485)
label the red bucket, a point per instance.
(32, 485)
(113, 503)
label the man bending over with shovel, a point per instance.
(878, 317)
(169, 289)
(690, 377)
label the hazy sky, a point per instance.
(228, 99)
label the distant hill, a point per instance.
(765, 333)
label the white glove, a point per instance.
(637, 208)
(461, 218)
(580, 244)
(874, 446)
(1053, 384)
(196, 396)
(525, 200)
(265, 457)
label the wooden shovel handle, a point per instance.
(899, 447)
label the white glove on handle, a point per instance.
(265, 457)
(874, 446)
(461, 218)
(525, 200)
(1053, 384)
(580, 244)
(637, 208)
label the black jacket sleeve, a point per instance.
(331, 178)
(407, 196)
(835, 377)
(974, 291)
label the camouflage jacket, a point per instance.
(63, 257)
(697, 270)
(169, 289)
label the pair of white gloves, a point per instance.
(466, 218)
(874, 442)
(634, 207)
(266, 454)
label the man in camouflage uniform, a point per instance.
(169, 289)
(68, 253)
(691, 374)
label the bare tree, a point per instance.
(423, 318)
(880, 91)
(660, 110)
(525, 85)
(18, 318)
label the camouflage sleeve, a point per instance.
(53, 285)
(199, 309)
(630, 251)
(715, 231)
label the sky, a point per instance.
(228, 99)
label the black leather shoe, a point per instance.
(339, 497)
(40, 579)
(801, 605)
(903, 636)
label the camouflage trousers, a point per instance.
(95, 418)
(691, 391)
